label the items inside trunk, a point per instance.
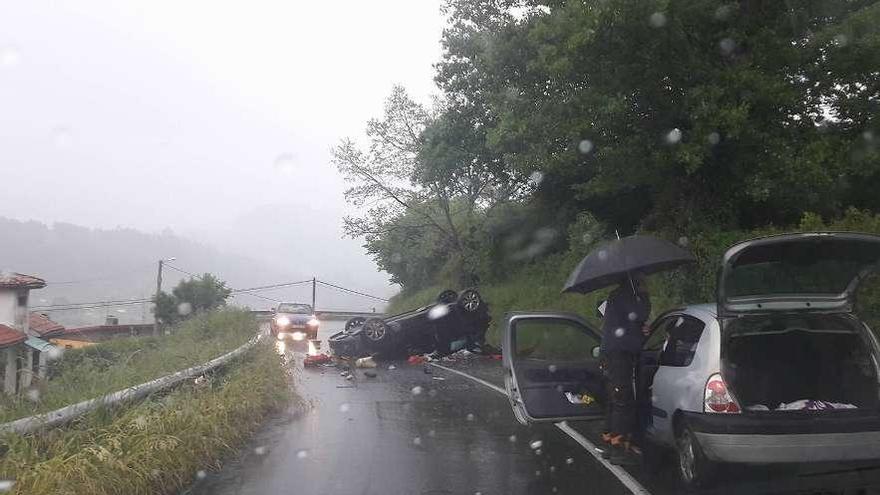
(815, 363)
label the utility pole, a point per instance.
(156, 302)
(314, 287)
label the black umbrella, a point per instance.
(612, 261)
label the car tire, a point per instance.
(448, 296)
(694, 469)
(470, 301)
(354, 322)
(376, 331)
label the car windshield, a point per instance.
(175, 176)
(294, 308)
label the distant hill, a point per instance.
(83, 264)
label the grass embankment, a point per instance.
(537, 285)
(82, 374)
(156, 446)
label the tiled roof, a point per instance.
(43, 326)
(12, 280)
(10, 336)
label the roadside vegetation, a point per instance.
(156, 446)
(563, 123)
(90, 372)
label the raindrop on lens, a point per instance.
(618, 332)
(683, 241)
(6, 485)
(722, 12)
(603, 255)
(552, 469)
(539, 452)
(632, 316)
(673, 136)
(302, 454)
(536, 444)
(416, 390)
(552, 368)
(536, 178)
(184, 308)
(62, 137)
(470, 417)
(54, 353)
(841, 40)
(438, 311)
(432, 393)
(9, 56)
(432, 433)
(727, 46)
(585, 146)
(512, 438)
(417, 441)
(344, 407)
(201, 474)
(537, 473)
(714, 138)
(284, 164)
(657, 19)
(569, 461)
(33, 395)
(260, 450)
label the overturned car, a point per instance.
(433, 328)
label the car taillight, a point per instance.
(717, 398)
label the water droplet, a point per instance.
(6, 485)
(54, 353)
(841, 40)
(554, 489)
(432, 393)
(432, 433)
(536, 444)
(9, 56)
(632, 316)
(868, 136)
(201, 474)
(539, 452)
(552, 469)
(603, 255)
(33, 395)
(727, 46)
(714, 138)
(285, 164)
(552, 368)
(673, 136)
(417, 441)
(302, 454)
(683, 241)
(559, 388)
(438, 311)
(618, 332)
(344, 407)
(723, 12)
(585, 146)
(184, 308)
(569, 461)
(537, 472)
(469, 417)
(478, 493)
(512, 438)
(62, 137)
(416, 390)
(657, 19)
(536, 178)
(261, 450)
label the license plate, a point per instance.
(297, 326)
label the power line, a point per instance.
(97, 306)
(268, 287)
(352, 291)
(90, 303)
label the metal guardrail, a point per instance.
(323, 315)
(71, 412)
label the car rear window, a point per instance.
(295, 308)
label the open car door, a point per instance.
(551, 367)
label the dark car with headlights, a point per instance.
(294, 320)
(453, 318)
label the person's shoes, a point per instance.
(620, 456)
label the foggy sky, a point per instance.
(212, 119)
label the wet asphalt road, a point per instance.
(409, 432)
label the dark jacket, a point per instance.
(625, 314)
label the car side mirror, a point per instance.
(597, 351)
(600, 309)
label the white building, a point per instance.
(22, 355)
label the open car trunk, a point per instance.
(787, 362)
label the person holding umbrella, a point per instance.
(624, 262)
(624, 329)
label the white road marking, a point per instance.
(627, 479)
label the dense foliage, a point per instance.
(191, 296)
(684, 117)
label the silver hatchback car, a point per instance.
(778, 370)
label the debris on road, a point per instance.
(317, 359)
(370, 374)
(416, 359)
(365, 362)
(440, 378)
(392, 367)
